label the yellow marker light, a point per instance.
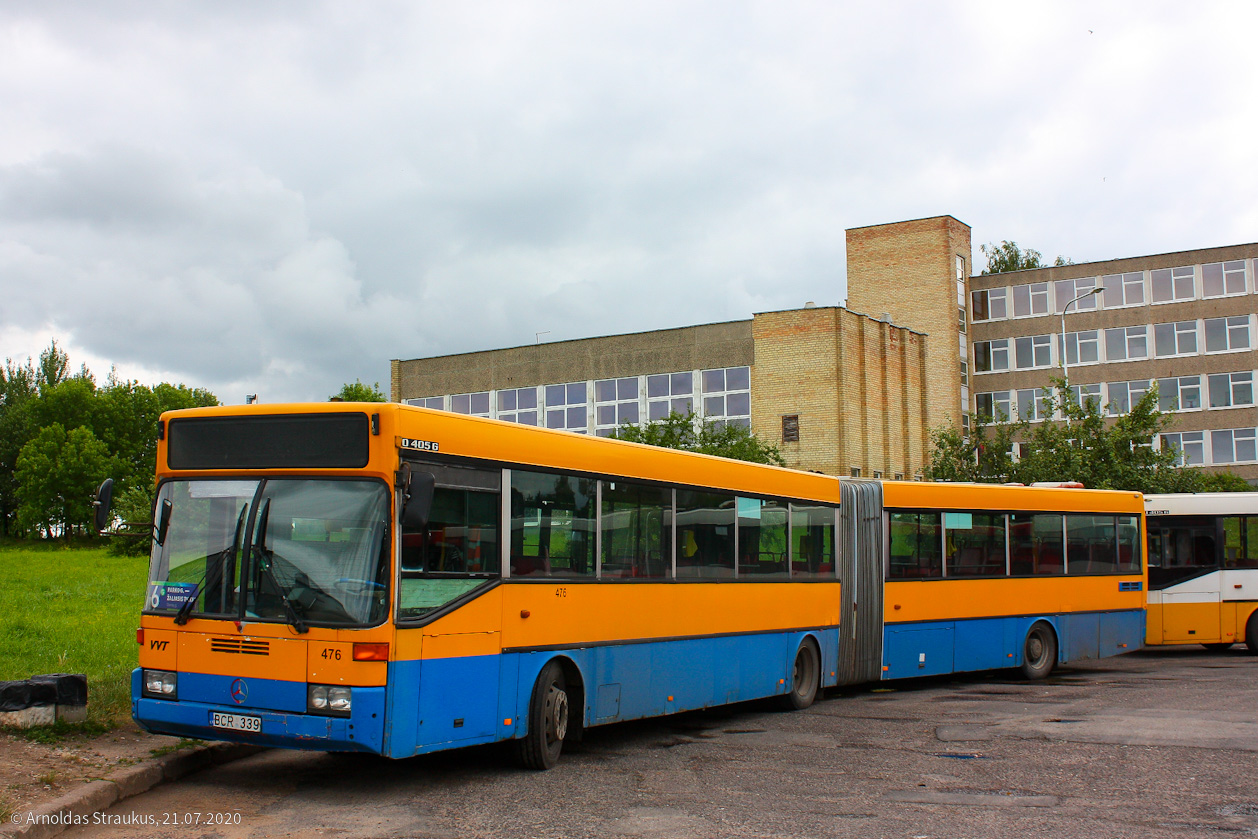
(670, 699)
(781, 681)
(507, 721)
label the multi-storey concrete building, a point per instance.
(849, 393)
(1183, 322)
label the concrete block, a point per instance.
(136, 779)
(29, 717)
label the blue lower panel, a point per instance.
(362, 731)
(446, 703)
(932, 648)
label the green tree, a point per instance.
(57, 475)
(17, 388)
(359, 392)
(1097, 451)
(1008, 256)
(688, 433)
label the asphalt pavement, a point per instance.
(1157, 743)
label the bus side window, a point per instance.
(1250, 558)
(1233, 544)
(1035, 544)
(637, 531)
(916, 546)
(705, 534)
(552, 525)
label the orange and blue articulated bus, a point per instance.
(395, 580)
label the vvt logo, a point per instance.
(240, 691)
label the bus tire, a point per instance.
(1218, 648)
(1039, 651)
(547, 720)
(805, 677)
(1251, 633)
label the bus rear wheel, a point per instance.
(1251, 633)
(1218, 648)
(547, 720)
(1039, 651)
(805, 678)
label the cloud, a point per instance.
(279, 197)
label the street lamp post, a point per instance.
(1065, 353)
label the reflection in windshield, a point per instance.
(315, 551)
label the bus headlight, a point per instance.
(161, 684)
(328, 700)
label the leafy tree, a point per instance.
(57, 475)
(122, 416)
(1008, 256)
(17, 388)
(359, 392)
(1099, 452)
(688, 433)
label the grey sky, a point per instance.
(280, 197)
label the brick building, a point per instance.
(849, 393)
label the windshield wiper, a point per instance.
(265, 565)
(181, 617)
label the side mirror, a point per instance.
(163, 521)
(104, 496)
(417, 490)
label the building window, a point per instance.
(1191, 446)
(1030, 300)
(615, 404)
(1226, 334)
(727, 396)
(1126, 343)
(1180, 394)
(1219, 279)
(1124, 289)
(993, 407)
(856, 471)
(1083, 347)
(961, 322)
(1172, 284)
(565, 407)
(437, 403)
(1067, 290)
(790, 428)
(965, 374)
(1091, 395)
(474, 404)
(1122, 395)
(1175, 338)
(1033, 351)
(518, 405)
(1233, 445)
(1034, 404)
(1232, 390)
(990, 304)
(669, 393)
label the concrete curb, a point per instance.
(77, 806)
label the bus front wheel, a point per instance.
(1039, 652)
(1251, 633)
(547, 721)
(805, 678)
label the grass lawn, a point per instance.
(72, 610)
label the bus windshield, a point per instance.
(289, 551)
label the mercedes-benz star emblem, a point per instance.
(240, 691)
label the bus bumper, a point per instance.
(362, 731)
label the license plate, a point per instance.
(236, 722)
